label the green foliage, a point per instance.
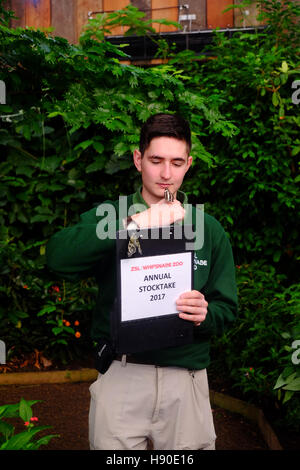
(254, 350)
(282, 17)
(288, 383)
(35, 312)
(5, 14)
(24, 440)
(253, 190)
(130, 18)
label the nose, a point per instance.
(166, 171)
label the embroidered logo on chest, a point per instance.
(199, 262)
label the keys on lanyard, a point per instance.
(133, 245)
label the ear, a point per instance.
(137, 159)
(189, 162)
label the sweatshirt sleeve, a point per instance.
(221, 290)
(74, 252)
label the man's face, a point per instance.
(164, 164)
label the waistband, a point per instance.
(131, 359)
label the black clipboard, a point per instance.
(155, 332)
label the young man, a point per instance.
(160, 395)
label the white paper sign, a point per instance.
(151, 285)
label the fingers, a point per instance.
(192, 307)
(162, 201)
(165, 213)
(191, 301)
(193, 294)
(197, 319)
(169, 204)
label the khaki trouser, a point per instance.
(132, 403)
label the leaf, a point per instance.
(25, 170)
(84, 145)
(97, 165)
(284, 66)
(276, 256)
(17, 442)
(9, 411)
(294, 385)
(98, 146)
(275, 99)
(51, 163)
(287, 396)
(40, 218)
(55, 113)
(296, 150)
(6, 429)
(25, 410)
(43, 441)
(121, 148)
(280, 382)
(47, 309)
(57, 330)
(21, 440)
(12, 410)
(291, 377)
(69, 329)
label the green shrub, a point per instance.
(39, 313)
(25, 440)
(253, 186)
(288, 382)
(253, 352)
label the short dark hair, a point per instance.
(165, 125)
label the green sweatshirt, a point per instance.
(77, 252)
